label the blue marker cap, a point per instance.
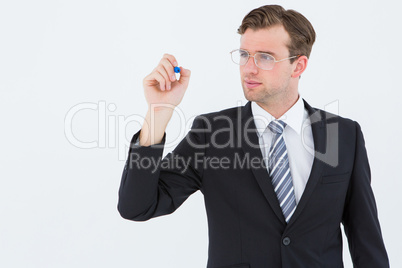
(177, 70)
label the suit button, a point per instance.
(286, 241)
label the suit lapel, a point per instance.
(319, 130)
(247, 135)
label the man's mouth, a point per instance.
(251, 83)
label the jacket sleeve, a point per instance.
(360, 218)
(151, 186)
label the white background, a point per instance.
(58, 200)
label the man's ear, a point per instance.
(300, 65)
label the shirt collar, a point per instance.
(293, 117)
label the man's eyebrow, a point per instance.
(260, 51)
(268, 52)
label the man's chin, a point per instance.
(249, 94)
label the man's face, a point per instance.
(264, 85)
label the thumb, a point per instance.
(184, 76)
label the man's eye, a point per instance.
(243, 54)
(265, 57)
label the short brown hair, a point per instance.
(300, 30)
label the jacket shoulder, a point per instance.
(330, 118)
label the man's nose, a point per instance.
(250, 66)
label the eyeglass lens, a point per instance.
(262, 60)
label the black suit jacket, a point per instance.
(246, 225)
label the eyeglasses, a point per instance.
(262, 60)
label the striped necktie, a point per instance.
(278, 163)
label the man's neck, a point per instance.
(278, 107)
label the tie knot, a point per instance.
(277, 126)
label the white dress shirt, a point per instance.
(298, 137)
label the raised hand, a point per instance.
(161, 86)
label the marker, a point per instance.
(177, 70)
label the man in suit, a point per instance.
(278, 176)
